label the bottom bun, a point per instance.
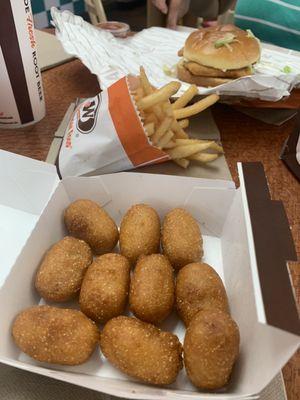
(184, 75)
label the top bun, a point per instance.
(205, 46)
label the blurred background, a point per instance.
(133, 12)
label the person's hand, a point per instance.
(161, 5)
(176, 10)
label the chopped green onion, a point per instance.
(227, 39)
(287, 69)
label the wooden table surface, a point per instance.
(244, 139)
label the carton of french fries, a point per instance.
(133, 124)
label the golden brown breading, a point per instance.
(181, 238)
(61, 272)
(139, 232)
(211, 347)
(152, 288)
(141, 350)
(55, 335)
(202, 70)
(105, 287)
(199, 287)
(185, 75)
(86, 220)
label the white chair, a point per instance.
(96, 11)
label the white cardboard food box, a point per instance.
(246, 239)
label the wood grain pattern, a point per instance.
(244, 139)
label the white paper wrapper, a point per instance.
(111, 58)
(105, 135)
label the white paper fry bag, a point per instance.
(106, 135)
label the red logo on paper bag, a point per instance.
(88, 115)
(70, 131)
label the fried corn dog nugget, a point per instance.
(86, 220)
(142, 350)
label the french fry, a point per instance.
(184, 142)
(182, 162)
(159, 96)
(146, 85)
(181, 135)
(179, 132)
(184, 123)
(165, 139)
(149, 128)
(196, 107)
(185, 98)
(203, 157)
(167, 109)
(214, 146)
(158, 112)
(151, 118)
(161, 130)
(187, 150)
(139, 93)
(170, 145)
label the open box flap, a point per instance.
(271, 246)
(26, 186)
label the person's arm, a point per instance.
(207, 9)
(175, 10)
